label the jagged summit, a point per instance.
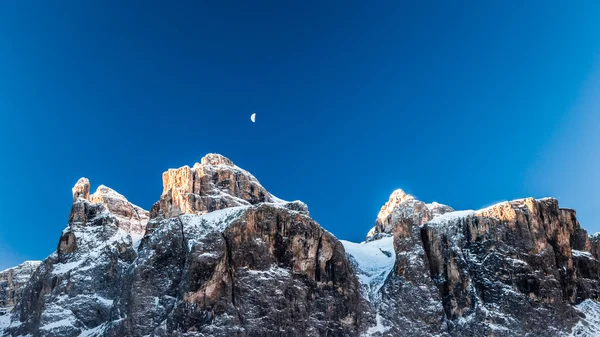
(404, 206)
(216, 159)
(214, 183)
(129, 217)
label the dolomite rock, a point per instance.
(518, 268)
(74, 288)
(258, 269)
(510, 269)
(220, 256)
(245, 271)
(12, 281)
(402, 206)
(214, 183)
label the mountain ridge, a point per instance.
(218, 255)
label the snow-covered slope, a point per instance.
(589, 325)
(373, 262)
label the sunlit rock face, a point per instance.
(402, 206)
(214, 183)
(128, 216)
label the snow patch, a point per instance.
(449, 218)
(379, 328)
(590, 325)
(63, 322)
(268, 274)
(374, 261)
(580, 253)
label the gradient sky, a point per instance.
(465, 104)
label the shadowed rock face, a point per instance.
(75, 287)
(12, 281)
(270, 271)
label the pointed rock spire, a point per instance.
(81, 189)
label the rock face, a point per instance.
(402, 206)
(408, 303)
(243, 271)
(514, 269)
(12, 280)
(218, 255)
(214, 183)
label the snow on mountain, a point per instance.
(373, 262)
(219, 255)
(589, 325)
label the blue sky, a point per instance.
(464, 104)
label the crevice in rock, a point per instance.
(317, 266)
(230, 272)
(194, 182)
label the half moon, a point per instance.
(253, 117)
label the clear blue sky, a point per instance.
(464, 104)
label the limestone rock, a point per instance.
(12, 281)
(214, 183)
(221, 256)
(402, 206)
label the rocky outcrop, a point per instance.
(214, 183)
(245, 271)
(128, 217)
(12, 281)
(402, 206)
(408, 303)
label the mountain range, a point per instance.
(219, 255)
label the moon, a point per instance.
(253, 117)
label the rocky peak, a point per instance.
(12, 280)
(81, 189)
(437, 209)
(397, 198)
(129, 217)
(214, 183)
(521, 258)
(242, 262)
(215, 159)
(403, 206)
